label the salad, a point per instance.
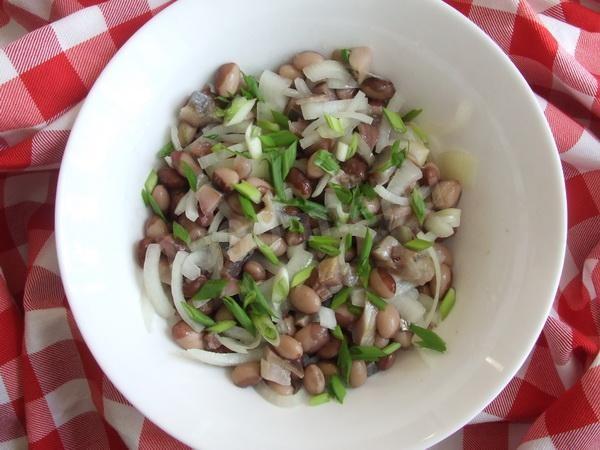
(297, 227)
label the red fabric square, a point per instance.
(84, 431)
(566, 132)
(529, 403)
(50, 441)
(89, 58)
(18, 109)
(587, 51)
(581, 17)
(581, 206)
(464, 6)
(55, 72)
(33, 49)
(497, 24)
(532, 40)
(489, 436)
(11, 324)
(559, 422)
(120, 33)
(10, 422)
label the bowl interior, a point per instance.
(507, 259)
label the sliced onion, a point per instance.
(253, 142)
(293, 93)
(169, 161)
(175, 138)
(301, 259)
(189, 269)
(341, 84)
(310, 139)
(358, 297)
(390, 197)
(367, 323)
(191, 207)
(223, 359)
(408, 306)
(266, 220)
(312, 127)
(383, 139)
(272, 87)
(239, 251)
(177, 291)
(214, 158)
(222, 129)
(442, 223)
(396, 102)
(328, 69)
(152, 284)
(364, 151)
(356, 116)
(333, 203)
(283, 401)
(203, 258)
(242, 113)
(214, 226)
(180, 207)
(302, 87)
(240, 334)
(311, 111)
(275, 373)
(237, 346)
(438, 281)
(321, 185)
(281, 286)
(406, 175)
(327, 317)
(418, 153)
(358, 103)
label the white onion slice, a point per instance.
(321, 185)
(223, 359)
(191, 206)
(175, 138)
(237, 346)
(180, 207)
(272, 87)
(364, 151)
(152, 284)
(328, 69)
(355, 115)
(358, 103)
(177, 291)
(418, 153)
(408, 306)
(214, 158)
(311, 111)
(301, 259)
(293, 93)
(310, 139)
(169, 161)
(358, 297)
(383, 140)
(327, 317)
(333, 83)
(396, 102)
(390, 196)
(438, 281)
(283, 401)
(302, 87)
(407, 174)
(266, 220)
(189, 269)
(240, 334)
(214, 226)
(275, 373)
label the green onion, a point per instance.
(280, 119)
(447, 303)
(319, 399)
(181, 233)
(223, 99)
(218, 147)
(281, 286)
(354, 310)
(151, 181)
(197, 316)
(210, 289)
(417, 204)
(334, 123)
(367, 191)
(145, 198)
(364, 211)
(212, 137)
(149, 200)
(337, 388)
(266, 251)
(428, 338)
(325, 244)
(237, 104)
(247, 208)
(253, 295)
(353, 146)
(345, 53)
(251, 90)
(340, 298)
(348, 241)
(420, 133)
(412, 114)
(266, 328)
(190, 175)
(222, 326)
(344, 361)
(391, 348)
(249, 191)
(395, 120)
(337, 333)
(288, 156)
(268, 126)
(366, 353)
(418, 245)
(302, 276)
(281, 138)
(363, 266)
(311, 208)
(376, 301)
(326, 161)
(343, 194)
(296, 226)
(240, 315)
(397, 157)
(275, 166)
(166, 150)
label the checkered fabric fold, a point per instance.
(52, 392)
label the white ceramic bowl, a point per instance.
(509, 250)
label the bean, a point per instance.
(388, 321)
(227, 80)
(301, 185)
(243, 166)
(161, 195)
(425, 290)
(200, 149)
(290, 72)
(195, 230)
(223, 314)
(360, 61)
(176, 197)
(431, 173)
(380, 342)
(314, 380)
(255, 270)
(312, 170)
(356, 166)
(246, 374)
(312, 337)
(233, 201)
(445, 194)
(170, 246)
(155, 227)
(330, 350)
(179, 158)
(292, 238)
(224, 178)
(185, 337)
(276, 243)
(382, 283)
(404, 338)
(171, 179)
(307, 58)
(378, 89)
(344, 317)
(387, 361)
(445, 282)
(305, 299)
(328, 368)
(140, 250)
(346, 94)
(289, 348)
(260, 184)
(369, 133)
(190, 287)
(280, 389)
(358, 373)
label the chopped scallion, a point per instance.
(296, 226)
(334, 123)
(151, 181)
(429, 339)
(325, 244)
(366, 353)
(302, 276)
(395, 120)
(268, 126)
(280, 119)
(210, 289)
(280, 138)
(337, 333)
(337, 388)
(311, 208)
(266, 328)
(326, 161)
(222, 326)
(239, 314)
(190, 175)
(319, 399)
(417, 204)
(276, 166)
(247, 208)
(345, 53)
(418, 245)
(376, 301)
(391, 348)
(340, 298)
(397, 157)
(166, 150)
(354, 310)
(266, 251)
(249, 191)
(447, 303)
(251, 91)
(288, 156)
(344, 361)
(197, 316)
(181, 233)
(343, 194)
(412, 114)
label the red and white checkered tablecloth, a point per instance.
(53, 394)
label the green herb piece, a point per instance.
(145, 198)
(210, 289)
(190, 175)
(376, 301)
(302, 276)
(247, 208)
(340, 298)
(281, 286)
(325, 244)
(281, 138)
(364, 211)
(418, 205)
(280, 119)
(367, 191)
(266, 251)
(353, 145)
(222, 326)
(276, 165)
(337, 388)
(363, 267)
(412, 114)
(268, 126)
(348, 241)
(337, 333)
(239, 314)
(236, 105)
(391, 348)
(266, 328)
(428, 338)
(345, 53)
(252, 295)
(420, 133)
(288, 156)
(395, 120)
(311, 208)
(223, 99)
(319, 399)
(251, 91)
(197, 316)
(447, 303)
(181, 233)
(334, 123)
(149, 200)
(397, 157)
(343, 194)
(212, 137)
(327, 162)
(218, 147)
(344, 361)
(249, 191)
(354, 310)
(418, 245)
(366, 353)
(296, 226)
(166, 150)
(151, 181)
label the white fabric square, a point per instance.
(507, 5)
(156, 3)
(538, 444)
(46, 258)
(31, 187)
(7, 70)
(15, 444)
(69, 400)
(584, 154)
(45, 327)
(77, 28)
(566, 35)
(4, 398)
(126, 420)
